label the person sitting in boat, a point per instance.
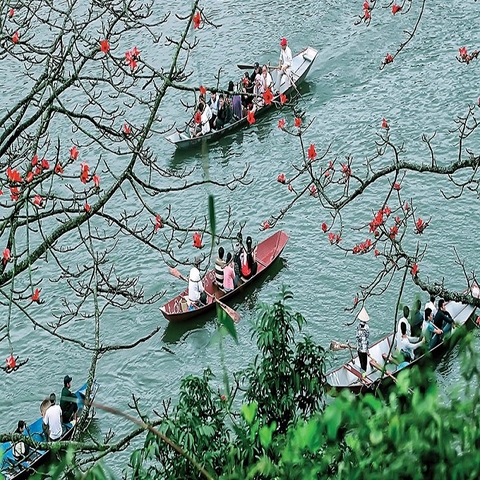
(442, 320)
(219, 266)
(404, 321)
(247, 89)
(258, 91)
(68, 402)
(196, 290)
(267, 78)
(431, 305)
(429, 330)
(228, 108)
(237, 258)
(52, 420)
(228, 274)
(204, 126)
(362, 336)
(221, 118)
(20, 449)
(214, 104)
(406, 347)
(284, 64)
(417, 318)
(249, 262)
(257, 70)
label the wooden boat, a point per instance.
(13, 469)
(268, 251)
(301, 64)
(349, 375)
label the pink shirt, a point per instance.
(228, 277)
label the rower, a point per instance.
(196, 290)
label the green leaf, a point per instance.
(266, 433)
(249, 411)
(211, 214)
(227, 322)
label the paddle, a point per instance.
(235, 316)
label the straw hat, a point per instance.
(363, 315)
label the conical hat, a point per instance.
(363, 315)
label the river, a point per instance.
(346, 95)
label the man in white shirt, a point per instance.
(196, 291)
(53, 420)
(431, 305)
(284, 64)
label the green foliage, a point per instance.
(287, 377)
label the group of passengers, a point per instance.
(240, 266)
(230, 271)
(435, 324)
(221, 108)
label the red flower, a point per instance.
(15, 37)
(74, 153)
(126, 129)
(388, 59)
(420, 226)
(223, 398)
(311, 152)
(104, 46)
(398, 220)
(265, 225)
(87, 208)
(38, 200)
(196, 20)
(406, 207)
(36, 296)
(355, 301)
(11, 362)
(368, 15)
(11, 12)
(387, 211)
(376, 252)
(14, 192)
(45, 164)
(414, 269)
(34, 160)
(298, 122)
(393, 232)
(346, 170)
(366, 5)
(463, 52)
(283, 98)
(281, 124)
(58, 168)
(385, 124)
(158, 222)
(197, 240)
(313, 190)
(268, 96)
(6, 255)
(397, 186)
(324, 227)
(131, 57)
(29, 177)
(203, 90)
(281, 178)
(198, 118)
(13, 175)
(96, 180)
(327, 173)
(250, 117)
(290, 187)
(396, 8)
(84, 172)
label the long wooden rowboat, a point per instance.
(349, 375)
(13, 469)
(301, 64)
(177, 309)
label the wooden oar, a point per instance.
(234, 315)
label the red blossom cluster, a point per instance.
(366, 10)
(6, 255)
(378, 220)
(251, 117)
(36, 295)
(346, 170)
(465, 57)
(104, 46)
(313, 190)
(265, 225)
(158, 222)
(388, 59)
(281, 178)
(84, 171)
(363, 247)
(385, 124)
(396, 8)
(197, 19)
(281, 123)
(96, 181)
(131, 57)
(312, 153)
(420, 226)
(126, 129)
(298, 122)
(268, 97)
(414, 269)
(74, 153)
(334, 238)
(283, 98)
(197, 240)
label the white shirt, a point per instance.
(398, 335)
(53, 418)
(286, 57)
(208, 111)
(268, 81)
(214, 105)
(432, 306)
(195, 288)
(408, 346)
(205, 123)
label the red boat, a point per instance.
(177, 309)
